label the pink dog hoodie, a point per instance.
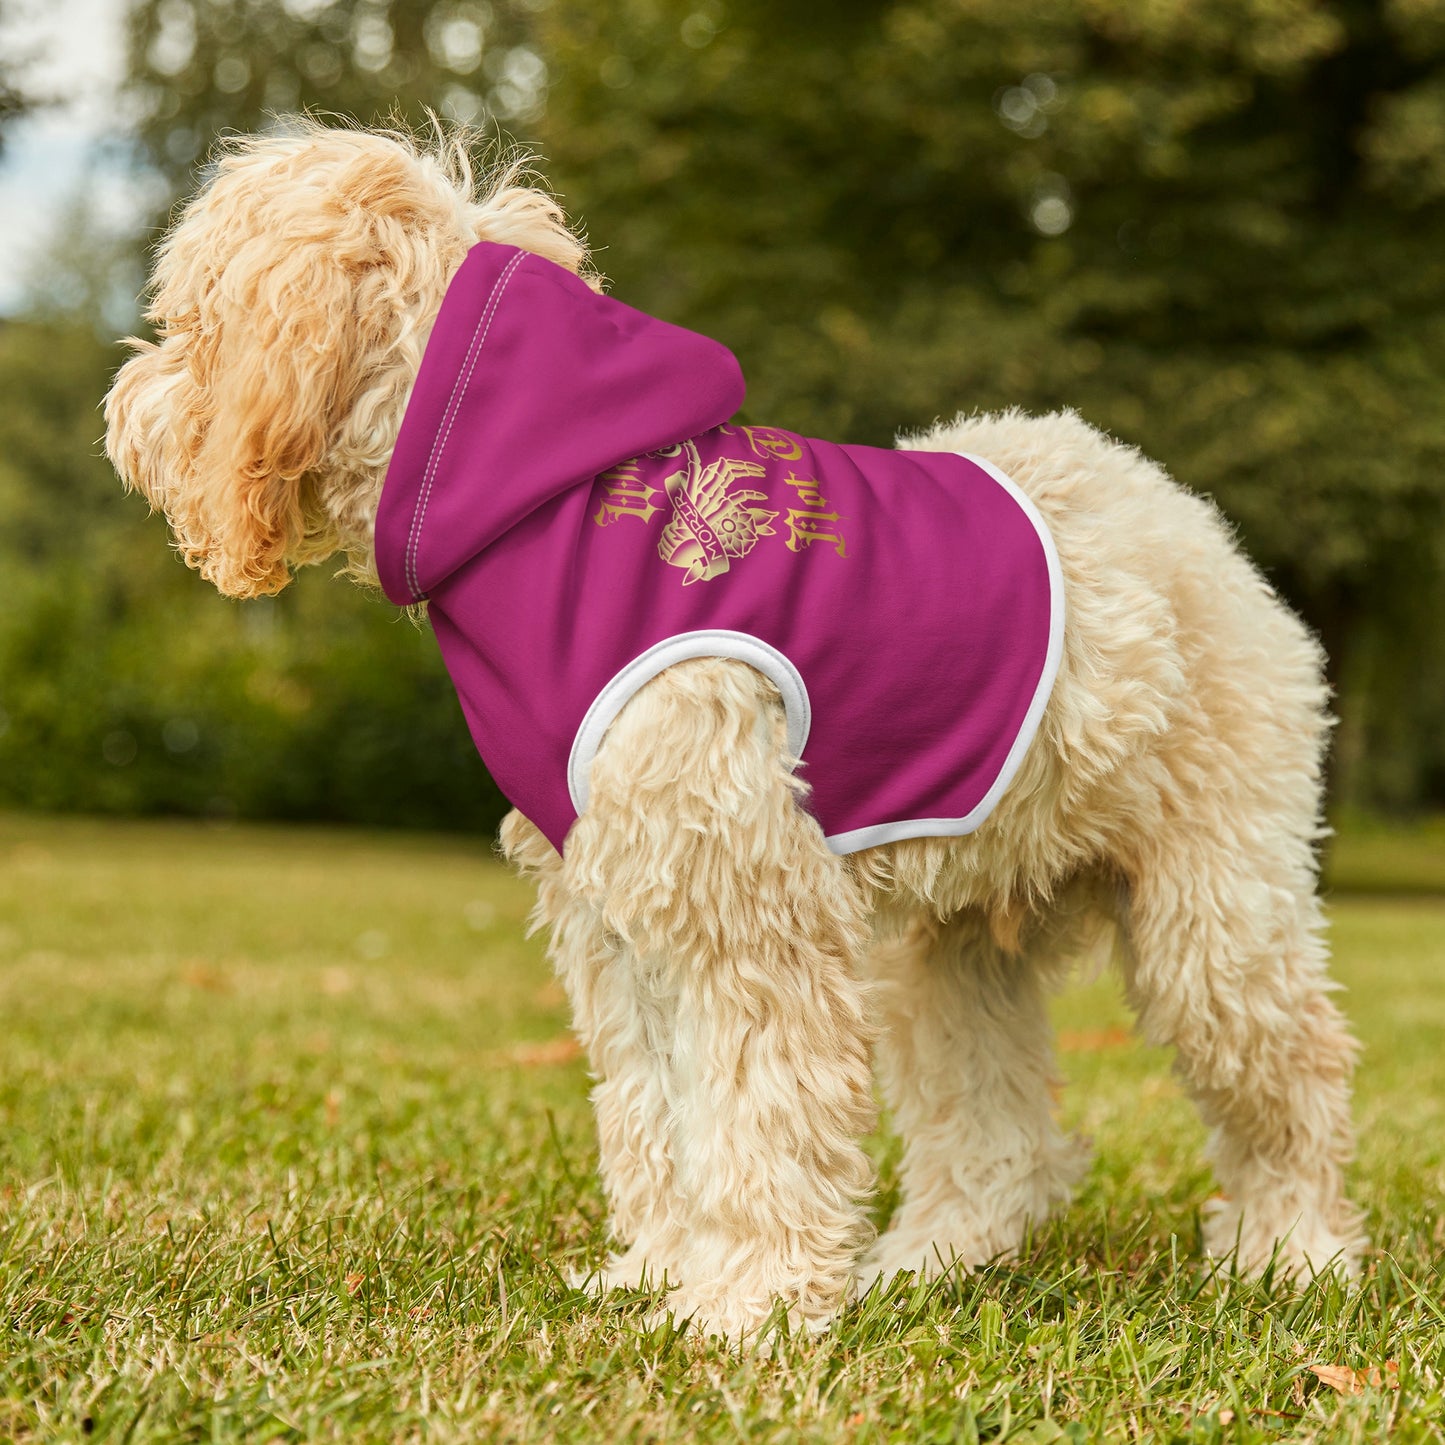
(569, 495)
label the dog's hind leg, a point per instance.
(625, 1027)
(966, 1060)
(696, 855)
(1228, 966)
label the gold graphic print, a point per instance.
(710, 525)
(772, 445)
(814, 521)
(625, 494)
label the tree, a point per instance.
(1216, 227)
(201, 67)
(14, 100)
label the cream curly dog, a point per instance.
(730, 975)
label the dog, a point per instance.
(731, 975)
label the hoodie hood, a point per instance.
(532, 384)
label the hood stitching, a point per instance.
(439, 442)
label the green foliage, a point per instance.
(201, 67)
(280, 1157)
(128, 686)
(1216, 229)
(295, 709)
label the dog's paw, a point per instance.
(929, 1255)
(741, 1323)
(926, 1262)
(633, 1270)
(1299, 1245)
(965, 1228)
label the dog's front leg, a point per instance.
(743, 930)
(624, 1024)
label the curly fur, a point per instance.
(729, 976)
(292, 301)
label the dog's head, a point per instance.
(292, 301)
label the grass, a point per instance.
(292, 1146)
(1368, 855)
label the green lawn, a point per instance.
(292, 1146)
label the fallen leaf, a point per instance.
(197, 973)
(561, 1050)
(1347, 1381)
(354, 1282)
(1090, 1041)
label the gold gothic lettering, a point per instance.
(813, 521)
(625, 494)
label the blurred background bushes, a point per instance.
(1214, 227)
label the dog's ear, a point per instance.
(289, 302)
(279, 358)
(148, 411)
(292, 302)
(223, 421)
